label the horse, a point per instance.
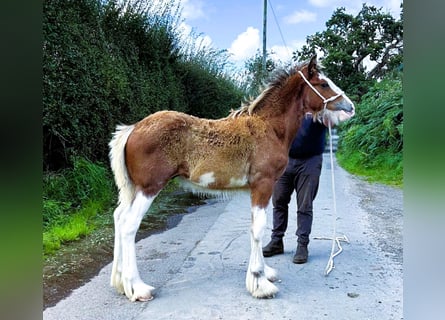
(247, 150)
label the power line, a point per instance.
(279, 28)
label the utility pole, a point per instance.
(264, 36)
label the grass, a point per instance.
(75, 202)
(76, 225)
(385, 168)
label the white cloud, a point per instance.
(393, 6)
(185, 29)
(245, 45)
(300, 16)
(281, 53)
(186, 32)
(192, 9)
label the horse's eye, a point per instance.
(325, 85)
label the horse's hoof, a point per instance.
(260, 287)
(142, 292)
(145, 299)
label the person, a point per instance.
(302, 174)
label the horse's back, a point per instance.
(211, 153)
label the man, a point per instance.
(302, 174)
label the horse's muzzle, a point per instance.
(345, 106)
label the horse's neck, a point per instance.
(285, 119)
(292, 122)
(285, 115)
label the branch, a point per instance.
(377, 70)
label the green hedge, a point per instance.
(103, 65)
(371, 143)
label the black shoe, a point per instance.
(273, 247)
(301, 254)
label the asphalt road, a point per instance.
(199, 266)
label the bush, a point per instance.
(208, 96)
(72, 189)
(371, 143)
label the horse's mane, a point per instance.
(277, 80)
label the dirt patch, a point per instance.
(74, 264)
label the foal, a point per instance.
(246, 150)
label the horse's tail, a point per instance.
(117, 159)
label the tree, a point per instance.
(348, 42)
(255, 76)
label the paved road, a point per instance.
(199, 266)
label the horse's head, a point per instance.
(323, 97)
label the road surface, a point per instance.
(199, 266)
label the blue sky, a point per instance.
(237, 25)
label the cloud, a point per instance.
(188, 36)
(300, 16)
(192, 9)
(245, 45)
(283, 53)
(393, 6)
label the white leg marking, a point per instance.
(271, 273)
(258, 273)
(127, 225)
(258, 226)
(116, 272)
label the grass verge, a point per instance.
(78, 224)
(385, 168)
(75, 202)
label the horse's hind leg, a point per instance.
(126, 228)
(258, 274)
(116, 271)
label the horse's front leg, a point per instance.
(259, 275)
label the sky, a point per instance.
(237, 25)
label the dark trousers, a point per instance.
(301, 175)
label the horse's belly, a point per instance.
(218, 181)
(209, 184)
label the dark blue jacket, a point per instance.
(310, 139)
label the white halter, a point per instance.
(325, 101)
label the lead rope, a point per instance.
(335, 240)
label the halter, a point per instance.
(325, 101)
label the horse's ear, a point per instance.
(312, 67)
